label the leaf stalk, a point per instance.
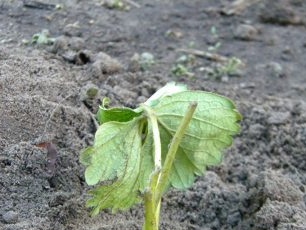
(160, 178)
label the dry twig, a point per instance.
(204, 54)
(238, 6)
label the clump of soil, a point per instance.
(49, 95)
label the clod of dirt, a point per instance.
(246, 32)
(59, 198)
(276, 69)
(105, 65)
(73, 30)
(279, 12)
(64, 43)
(134, 65)
(69, 56)
(274, 199)
(277, 215)
(10, 217)
(275, 187)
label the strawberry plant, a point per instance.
(138, 154)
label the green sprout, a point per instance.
(138, 154)
(213, 31)
(230, 68)
(43, 38)
(181, 70)
(183, 65)
(115, 4)
(217, 45)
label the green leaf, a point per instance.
(85, 157)
(122, 160)
(116, 158)
(107, 159)
(115, 114)
(147, 162)
(210, 131)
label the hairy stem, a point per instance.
(152, 208)
(151, 221)
(156, 137)
(160, 177)
(166, 169)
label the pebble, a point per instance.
(10, 217)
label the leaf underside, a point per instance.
(209, 132)
(122, 155)
(115, 159)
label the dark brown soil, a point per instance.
(262, 181)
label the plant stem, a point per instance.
(156, 137)
(152, 208)
(160, 177)
(166, 169)
(150, 213)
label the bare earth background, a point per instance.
(262, 181)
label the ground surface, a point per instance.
(262, 182)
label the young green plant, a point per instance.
(138, 154)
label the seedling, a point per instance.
(43, 38)
(213, 31)
(115, 4)
(138, 154)
(183, 65)
(230, 68)
(181, 70)
(217, 45)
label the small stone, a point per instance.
(10, 217)
(225, 78)
(246, 32)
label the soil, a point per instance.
(43, 99)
